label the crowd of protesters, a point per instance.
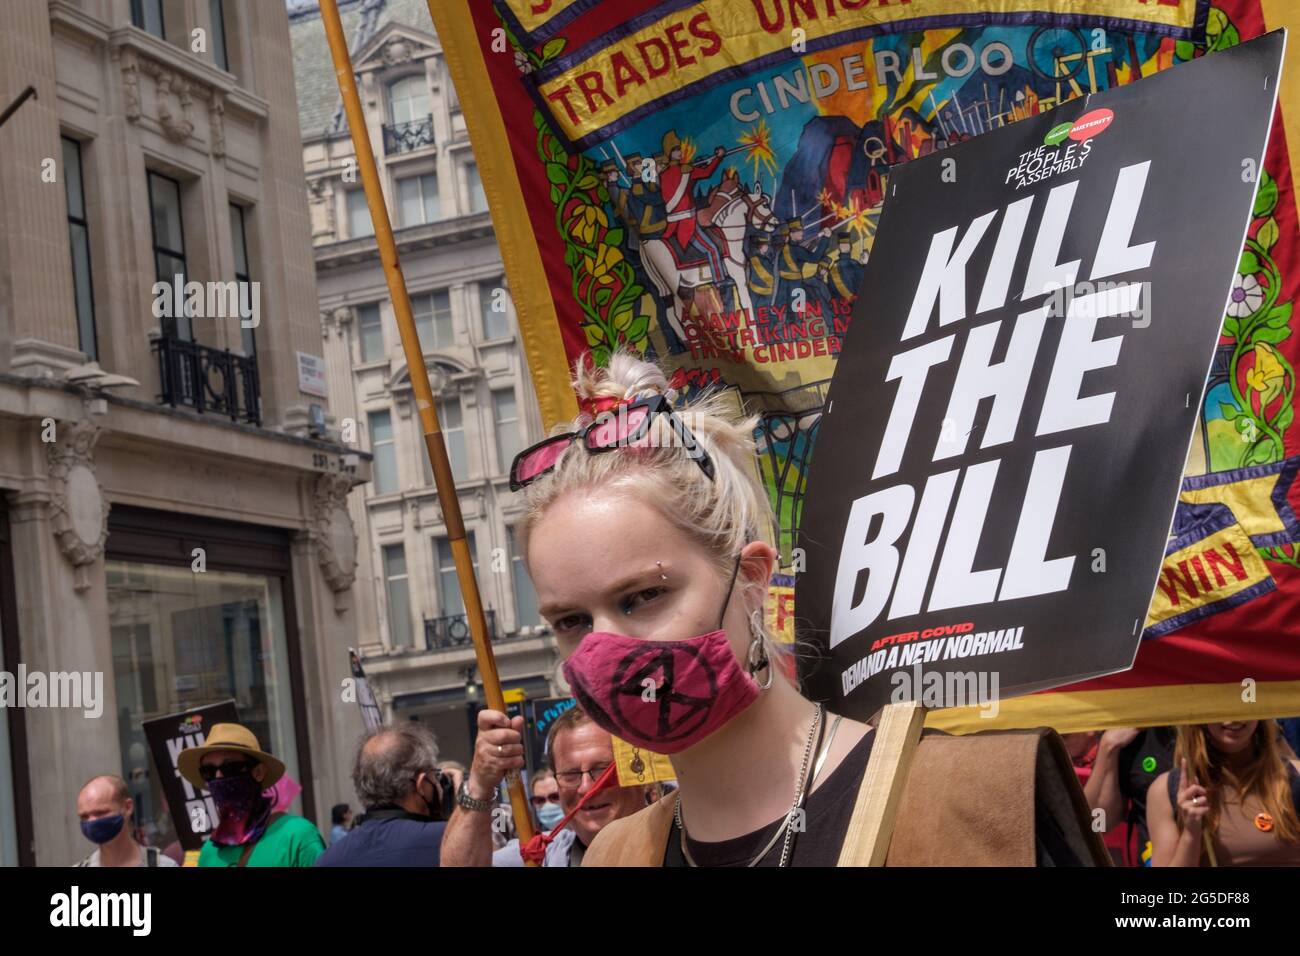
(660, 555)
(1199, 795)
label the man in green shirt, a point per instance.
(236, 771)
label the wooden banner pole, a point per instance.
(423, 392)
(872, 825)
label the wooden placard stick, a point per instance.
(881, 791)
(423, 391)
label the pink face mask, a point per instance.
(665, 696)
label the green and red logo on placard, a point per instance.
(1085, 127)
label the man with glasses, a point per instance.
(578, 752)
(232, 766)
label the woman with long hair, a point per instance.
(1233, 799)
(649, 539)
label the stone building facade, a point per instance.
(173, 503)
(415, 639)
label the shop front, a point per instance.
(183, 639)
(175, 562)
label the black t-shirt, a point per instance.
(827, 812)
(1146, 757)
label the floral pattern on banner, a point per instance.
(1260, 381)
(604, 282)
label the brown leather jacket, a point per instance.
(1008, 781)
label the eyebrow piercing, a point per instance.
(660, 566)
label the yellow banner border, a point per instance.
(745, 45)
(544, 26)
(1073, 711)
(539, 325)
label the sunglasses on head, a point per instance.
(627, 425)
(230, 768)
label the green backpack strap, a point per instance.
(248, 848)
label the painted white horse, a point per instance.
(735, 211)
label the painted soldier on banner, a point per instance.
(676, 184)
(844, 273)
(761, 271)
(793, 257)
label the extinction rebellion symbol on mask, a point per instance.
(670, 714)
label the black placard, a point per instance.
(1000, 457)
(193, 813)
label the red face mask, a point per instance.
(665, 696)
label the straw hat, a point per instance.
(228, 737)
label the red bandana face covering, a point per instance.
(665, 696)
(242, 810)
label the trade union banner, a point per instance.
(703, 182)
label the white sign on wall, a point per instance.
(311, 375)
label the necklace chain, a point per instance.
(785, 828)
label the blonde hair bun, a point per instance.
(720, 514)
(625, 378)
(723, 512)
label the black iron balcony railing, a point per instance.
(208, 380)
(453, 630)
(404, 137)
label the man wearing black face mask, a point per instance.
(396, 779)
(105, 809)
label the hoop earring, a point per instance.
(757, 660)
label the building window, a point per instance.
(148, 16)
(417, 197)
(239, 238)
(450, 600)
(408, 99)
(383, 446)
(492, 303)
(216, 9)
(181, 640)
(169, 249)
(399, 595)
(477, 198)
(505, 410)
(451, 418)
(526, 614)
(359, 223)
(79, 242)
(370, 329)
(433, 322)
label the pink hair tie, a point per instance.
(597, 406)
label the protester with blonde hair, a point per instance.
(649, 539)
(1233, 799)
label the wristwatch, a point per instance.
(463, 799)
